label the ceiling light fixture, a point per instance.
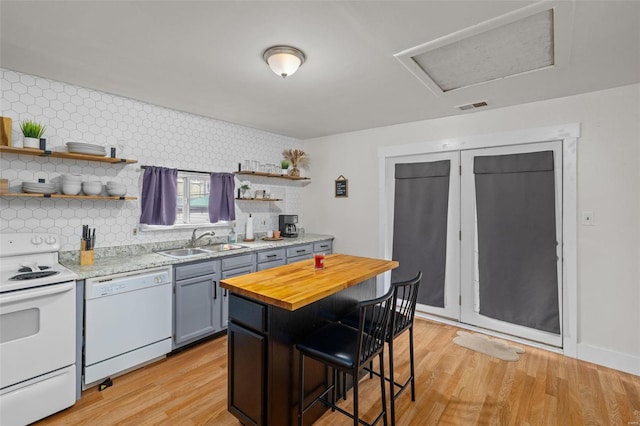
(284, 60)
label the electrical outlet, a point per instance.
(588, 219)
(134, 231)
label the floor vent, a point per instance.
(472, 106)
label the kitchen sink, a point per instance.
(222, 247)
(183, 252)
(190, 252)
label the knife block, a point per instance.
(86, 256)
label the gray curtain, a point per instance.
(515, 198)
(221, 202)
(159, 196)
(420, 226)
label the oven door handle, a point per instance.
(35, 293)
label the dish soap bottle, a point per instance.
(232, 235)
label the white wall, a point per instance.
(150, 134)
(608, 185)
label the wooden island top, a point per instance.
(299, 284)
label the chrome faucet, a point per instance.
(194, 240)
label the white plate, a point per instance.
(87, 152)
(39, 191)
(85, 145)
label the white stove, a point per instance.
(37, 329)
(30, 260)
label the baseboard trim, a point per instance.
(626, 363)
(617, 360)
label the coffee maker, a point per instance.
(287, 224)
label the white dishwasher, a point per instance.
(127, 321)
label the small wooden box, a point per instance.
(86, 257)
(5, 131)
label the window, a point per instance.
(193, 198)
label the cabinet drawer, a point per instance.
(272, 264)
(299, 258)
(183, 272)
(323, 247)
(248, 313)
(271, 255)
(238, 271)
(237, 261)
(300, 250)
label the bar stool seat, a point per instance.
(348, 350)
(405, 296)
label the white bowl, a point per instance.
(92, 187)
(71, 188)
(72, 178)
(116, 192)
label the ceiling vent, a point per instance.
(519, 42)
(473, 105)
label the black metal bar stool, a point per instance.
(404, 307)
(348, 350)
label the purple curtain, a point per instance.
(221, 203)
(159, 196)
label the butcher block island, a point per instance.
(268, 312)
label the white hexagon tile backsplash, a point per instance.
(150, 134)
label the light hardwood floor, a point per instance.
(454, 386)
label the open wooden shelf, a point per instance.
(69, 155)
(272, 175)
(259, 199)
(81, 197)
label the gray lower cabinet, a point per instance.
(233, 266)
(299, 252)
(324, 247)
(197, 302)
(271, 258)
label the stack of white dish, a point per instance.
(92, 187)
(86, 148)
(71, 184)
(39, 188)
(116, 189)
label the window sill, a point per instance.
(151, 228)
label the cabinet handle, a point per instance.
(272, 255)
(324, 246)
(215, 291)
(225, 292)
(300, 251)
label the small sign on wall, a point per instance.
(342, 187)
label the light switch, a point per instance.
(588, 219)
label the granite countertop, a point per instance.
(126, 262)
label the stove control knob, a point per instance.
(51, 240)
(36, 240)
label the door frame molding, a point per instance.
(568, 134)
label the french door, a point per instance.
(511, 245)
(485, 228)
(423, 206)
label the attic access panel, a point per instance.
(512, 44)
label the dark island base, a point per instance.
(263, 361)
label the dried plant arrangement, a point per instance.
(297, 157)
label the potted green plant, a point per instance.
(244, 189)
(284, 165)
(32, 132)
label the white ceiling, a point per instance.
(205, 57)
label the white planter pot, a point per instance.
(31, 143)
